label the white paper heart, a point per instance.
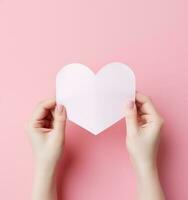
(95, 101)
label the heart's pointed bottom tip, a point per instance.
(97, 131)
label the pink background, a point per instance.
(38, 37)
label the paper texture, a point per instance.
(95, 101)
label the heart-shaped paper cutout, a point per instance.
(95, 101)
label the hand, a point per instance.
(143, 131)
(143, 134)
(46, 130)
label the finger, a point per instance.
(147, 118)
(146, 105)
(42, 124)
(131, 118)
(42, 109)
(60, 117)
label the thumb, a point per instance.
(131, 118)
(60, 119)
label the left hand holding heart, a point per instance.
(46, 130)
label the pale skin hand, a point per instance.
(46, 131)
(143, 124)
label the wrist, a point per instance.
(45, 161)
(146, 170)
(45, 168)
(140, 167)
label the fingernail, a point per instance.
(59, 108)
(130, 104)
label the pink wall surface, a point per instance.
(38, 37)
